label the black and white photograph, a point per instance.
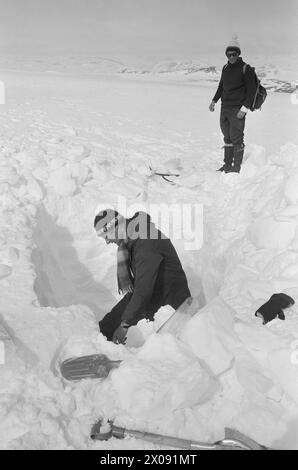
(148, 227)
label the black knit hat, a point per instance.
(105, 218)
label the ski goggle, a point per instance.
(232, 54)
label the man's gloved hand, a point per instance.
(269, 316)
(212, 106)
(120, 334)
(274, 307)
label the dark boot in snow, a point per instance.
(233, 169)
(238, 152)
(238, 157)
(228, 158)
(224, 168)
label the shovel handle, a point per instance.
(152, 437)
(233, 439)
(162, 440)
(183, 309)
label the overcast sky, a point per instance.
(149, 29)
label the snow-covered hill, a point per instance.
(279, 77)
(193, 72)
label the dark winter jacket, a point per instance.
(235, 87)
(158, 274)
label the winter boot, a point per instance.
(222, 168)
(238, 157)
(228, 158)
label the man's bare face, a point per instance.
(110, 236)
(232, 57)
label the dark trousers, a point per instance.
(232, 127)
(112, 320)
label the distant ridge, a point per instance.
(274, 78)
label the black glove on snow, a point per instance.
(274, 307)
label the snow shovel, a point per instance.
(233, 440)
(95, 366)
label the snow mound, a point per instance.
(162, 377)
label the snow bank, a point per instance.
(163, 377)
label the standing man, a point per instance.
(149, 271)
(236, 90)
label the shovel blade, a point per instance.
(94, 366)
(243, 440)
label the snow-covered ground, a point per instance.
(69, 145)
